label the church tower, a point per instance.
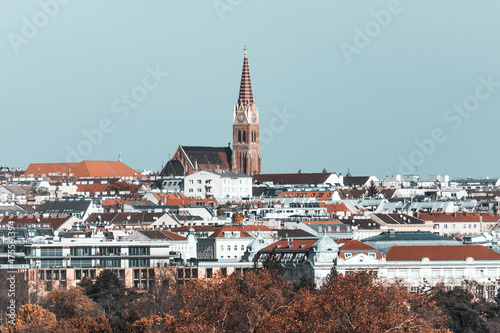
(246, 153)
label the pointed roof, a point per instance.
(246, 96)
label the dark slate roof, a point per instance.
(173, 168)
(392, 235)
(386, 240)
(209, 155)
(258, 191)
(355, 181)
(294, 233)
(292, 178)
(362, 224)
(399, 219)
(64, 206)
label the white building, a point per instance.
(222, 186)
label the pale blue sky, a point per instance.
(364, 114)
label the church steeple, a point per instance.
(246, 154)
(246, 96)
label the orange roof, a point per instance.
(110, 202)
(179, 199)
(336, 207)
(441, 252)
(457, 217)
(83, 169)
(352, 244)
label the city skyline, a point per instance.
(367, 87)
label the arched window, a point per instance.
(244, 136)
(239, 136)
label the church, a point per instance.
(244, 157)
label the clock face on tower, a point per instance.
(241, 117)
(254, 118)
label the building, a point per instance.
(84, 169)
(246, 154)
(221, 186)
(243, 158)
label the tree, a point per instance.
(72, 303)
(234, 304)
(110, 292)
(122, 186)
(359, 303)
(461, 309)
(238, 218)
(32, 318)
(84, 324)
(372, 190)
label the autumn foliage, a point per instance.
(259, 301)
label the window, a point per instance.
(222, 247)
(190, 181)
(198, 190)
(229, 247)
(236, 247)
(198, 181)
(348, 255)
(445, 226)
(51, 251)
(242, 247)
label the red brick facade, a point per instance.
(246, 153)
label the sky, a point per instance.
(374, 87)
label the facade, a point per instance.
(246, 153)
(221, 186)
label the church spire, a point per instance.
(246, 96)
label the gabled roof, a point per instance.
(209, 157)
(90, 169)
(355, 181)
(441, 252)
(173, 168)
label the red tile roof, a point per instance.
(173, 235)
(284, 245)
(53, 222)
(84, 169)
(220, 232)
(457, 217)
(441, 252)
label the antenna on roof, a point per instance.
(119, 157)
